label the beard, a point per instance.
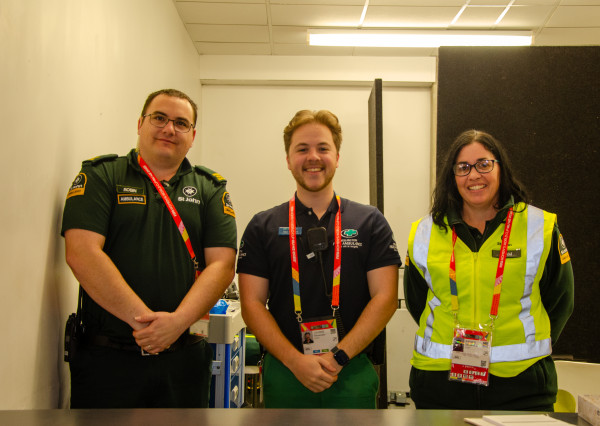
(314, 186)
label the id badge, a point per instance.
(319, 335)
(471, 355)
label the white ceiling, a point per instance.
(278, 27)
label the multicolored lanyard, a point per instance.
(499, 270)
(173, 211)
(337, 261)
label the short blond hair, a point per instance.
(305, 116)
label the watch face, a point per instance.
(340, 356)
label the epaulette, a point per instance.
(217, 178)
(100, 159)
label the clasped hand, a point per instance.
(160, 330)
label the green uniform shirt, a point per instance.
(112, 196)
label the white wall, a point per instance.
(73, 76)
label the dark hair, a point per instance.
(446, 195)
(305, 116)
(174, 93)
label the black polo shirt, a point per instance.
(367, 244)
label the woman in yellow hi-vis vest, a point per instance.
(489, 281)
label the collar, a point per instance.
(184, 168)
(454, 217)
(332, 209)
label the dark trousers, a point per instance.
(533, 390)
(111, 378)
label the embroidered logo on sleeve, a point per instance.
(78, 186)
(228, 205)
(562, 249)
(130, 195)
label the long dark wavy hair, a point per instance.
(446, 195)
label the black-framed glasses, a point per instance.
(181, 125)
(482, 166)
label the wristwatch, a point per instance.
(340, 356)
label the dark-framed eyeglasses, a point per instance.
(482, 166)
(180, 125)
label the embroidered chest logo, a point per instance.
(350, 239)
(189, 192)
(130, 195)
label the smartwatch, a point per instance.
(340, 356)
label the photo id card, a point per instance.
(319, 336)
(471, 356)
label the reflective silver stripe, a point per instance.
(431, 349)
(420, 253)
(521, 351)
(507, 353)
(535, 248)
(421, 246)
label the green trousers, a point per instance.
(356, 387)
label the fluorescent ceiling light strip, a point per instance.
(374, 38)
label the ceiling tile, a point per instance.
(419, 3)
(233, 48)
(525, 17)
(580, 3)
(229, 33)
(498, 3)
(538, 2)
(575, 16)
(316, 16)
(319, 2)
(479, 17)
(217, 13)
(568, 37)
(221, 1)
(295, 35)
(411, 17)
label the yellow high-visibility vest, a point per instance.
(521, 334)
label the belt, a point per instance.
(184, 340)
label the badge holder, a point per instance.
(319, 335)
(471, 354)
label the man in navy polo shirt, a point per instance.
(335, 277)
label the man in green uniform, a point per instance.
(152, 241)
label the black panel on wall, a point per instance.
(376, 145)
(543, 103)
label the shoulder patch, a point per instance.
(78, 185)
(216, 177)
(562, 249)
(227, 204)
(100, 159)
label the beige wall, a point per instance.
(73, 78)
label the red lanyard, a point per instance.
(499, 270)
(173, 211)
(337, 261)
